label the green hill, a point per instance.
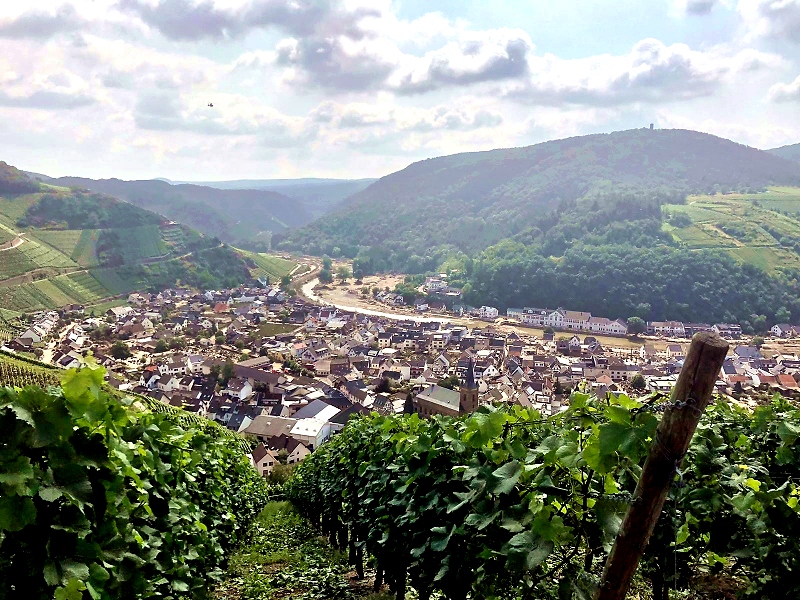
(791, 152)
(66, 246)
(241, 216)
(470, 201)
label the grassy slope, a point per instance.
(286, 558)
(761, 228)
(270, 266)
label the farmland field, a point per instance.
(13, 208)
(136, 243)
(78, 244)
(269, 265)
(19, 373)
(43, 255)
(110, 280)
(759, 229)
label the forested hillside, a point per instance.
(470, 201)
(66, 246)
(792, 152)
(233, 215)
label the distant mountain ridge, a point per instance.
(320, 196)
(790, 152)
(234, 216)
(469, 201)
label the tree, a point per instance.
(280, 474)
(408, 407)
(286, 281)
(326, 263)
(343, 273)
(782, 315)
(757, 341)
(638, 382)
(760, 324)
(636, 325)
(452, 382)
(365, 291)
(325, 276)
(283, 456)
(161, 346)
(120, 351)
(226, 372)
(643, 310)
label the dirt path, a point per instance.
(15, 243)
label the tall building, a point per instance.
(469, 391)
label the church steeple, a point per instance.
(469, 390)
(469, 383)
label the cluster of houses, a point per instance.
(562, 319)
(289, 392)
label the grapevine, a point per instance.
(507, 504)
(101, 499)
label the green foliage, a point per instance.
(636, 325)
(506, 504)
(325, 276)
(614, 281)
(103, 500)
(451, 382)
(80, 210)
(14, 181)
(120, 350)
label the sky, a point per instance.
(233, 89)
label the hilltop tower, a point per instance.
(469, 391)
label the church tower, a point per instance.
(469, 391)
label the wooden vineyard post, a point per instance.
(690, 397)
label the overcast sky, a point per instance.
(339, 88)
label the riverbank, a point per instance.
(331, 296)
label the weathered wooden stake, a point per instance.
(690, 398)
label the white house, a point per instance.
(311, 432)
(488, 312)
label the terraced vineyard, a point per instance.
(137, 243)
(123, 249)
(78, 244)
(759, 229)
(14, 262)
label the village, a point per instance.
(289, 373)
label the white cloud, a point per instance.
(651, 72)
(475, 57)
(772, 18)
(785, 92)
